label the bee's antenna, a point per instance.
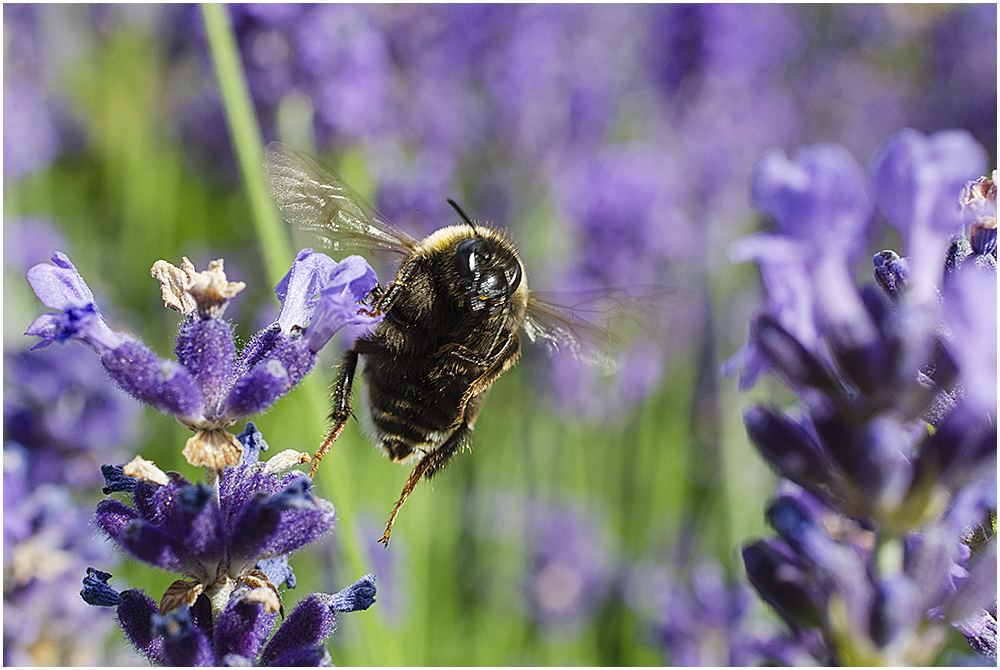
(462, 214)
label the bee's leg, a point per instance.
(385, 297)
(341, 407)
(427, 466)
(499, 361)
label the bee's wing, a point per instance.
(594, 326)
(314, 198)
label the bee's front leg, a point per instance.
(341, 407)
(385, 297)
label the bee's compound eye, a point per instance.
(465, 257)
(513, 278)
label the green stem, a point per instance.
(247, 140)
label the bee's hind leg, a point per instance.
(426, 467)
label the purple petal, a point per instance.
(165, 385)
(80, 322)
(242, 628)
(59, 286)
(918, 178)
(308, 625)
(253, 443)
(184, 644)
(288, 361)
(358, 596)
(135, 615)
(781, 582)
(278, 571)
(207, 350)
(96, 590)
(151, 545)
(820, 196)
(339, 300)
(970, 311)
(299, 288)
(113, 515)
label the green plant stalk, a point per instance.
(378, 647)
(247, 140)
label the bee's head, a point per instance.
(487, 264)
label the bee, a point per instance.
(452, 315)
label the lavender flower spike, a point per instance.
(891, 455)
(209, 386)
(214, 539)
(236, 636)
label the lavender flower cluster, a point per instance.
(885, 519)
(228, 538)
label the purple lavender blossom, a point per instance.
(918, 180)
(707, 621)
(30, 135)
(196, 635)
(214, 537)
(872, 375)
(65, 415)
(48, 541)
(571, 565)
(819, 574)
(209, 387)
(230, 543)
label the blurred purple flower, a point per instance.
(918, 180)
(572, 568)
(28, 241)
(37, 128)
(970, 312)
(209, 387)
(571, 565)
(30, 135)
(66, 414)
(818, 574)
(871, 379)
(48, 541)
(821, 205)
(708, 621)
(962, 52)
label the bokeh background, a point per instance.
(614, 142)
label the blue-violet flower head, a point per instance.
(209, 387)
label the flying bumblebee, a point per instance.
(452, 316)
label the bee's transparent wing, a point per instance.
(594, 326)
(315, 199)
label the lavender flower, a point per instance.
(708, 621)
(230, 543)
(869, 549)
(209, 387)
(65, 415)
(238, 635)
(48, 542)
(213, 537)
(571, 565)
